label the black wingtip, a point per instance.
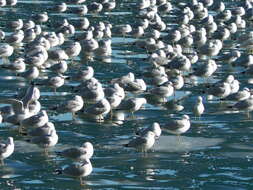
(125, 145)
(58, 171)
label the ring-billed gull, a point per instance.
(84, 74)
(78, 153)
(155, 128)
(239, 96)
(244, 105)
(41, 131)
(165, 90)
(178, 126)
(6, 51)
(100, 109)
(21, 112)
(16, 24)
(45, 141)
(142, 143)
(72, 105)
(35, 121)
(80, 170)
(199, 108)
(18, 66)
(60, 67)
(6, 149)
(132, 104)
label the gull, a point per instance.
(92, 94)
(231, 56)
(239, 96)
(15, 38)
(165, 90)
(57, 55)
(6, 51)
(132, 104)
(34, 121)
(138, 85)
(54, 82)
(177, 81)
(78, 153)
(18, 66)
(84, 74)
(73, 105)
(95, 7)
(80, 10)
(110, 5)
(180, 62)
(178, 126)
(6, 149)
(221, 90)
(34, 107)
(16, 24)
(123, 29)
(60, 67)
(155, 128)
(60, 8)
(244, 105)
(41, 17)
(104, 48)
(28, 25)
(21, 112)
(142, 143)
(89, 45)
(45, 141)
(41, 131)
(116, 89)
(78, 170)
(199, 108)
(32, 93)
(99, 109)
(29, 35)
(73, 49)
(206, 69)
(124, 79)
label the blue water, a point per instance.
(216, 153)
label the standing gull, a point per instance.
(6, 149)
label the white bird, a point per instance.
(45, 141)
(73, 105)
(244, 105)
(132, 104)
(178, 126)
(6, 51)
(165, 90)
(21, 112)
(84, 74)
(41, 131)
(100, 109)
(30, 74)
(199, 108)
(142, 143)
(35, 121)
(80, 170)
(239, 96)
(155, 128)
(6, 149)
(78, 153)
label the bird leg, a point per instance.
(81, 182)
(1, 162)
